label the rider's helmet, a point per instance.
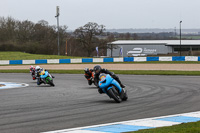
(97, 69)
(37, 68)
(86, 69)
(31, 68)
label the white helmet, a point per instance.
(37, 68)
(86, 69)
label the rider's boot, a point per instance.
(89, 82)
(123, 86)
(123, 93)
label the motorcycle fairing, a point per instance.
(45, 75)
(107, 83)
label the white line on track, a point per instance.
(134, 125)
(9, 85)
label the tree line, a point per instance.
(41, 38)
(26, 36)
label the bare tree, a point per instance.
(127, 36)
(135, 36)
(88, 35)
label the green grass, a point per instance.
(193, 127)
(27, 56)
(133, 72)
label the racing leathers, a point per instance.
(88, 75)
(32, 71)
(39, 80)
(96, 77)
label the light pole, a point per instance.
(180, 37)
(57, 16)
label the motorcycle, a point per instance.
(32, 72)
(46, 77)
(112, 88)
(89, 75)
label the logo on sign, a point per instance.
(141, 52)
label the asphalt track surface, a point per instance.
(73, 103)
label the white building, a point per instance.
(150, 47)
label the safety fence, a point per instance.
(99, 60)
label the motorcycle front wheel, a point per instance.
(114, 94)
(50, 82)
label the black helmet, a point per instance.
(97, 69)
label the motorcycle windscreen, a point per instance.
(105, 82)
(45, 75)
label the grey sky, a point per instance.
(111, 13)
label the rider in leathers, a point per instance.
(88, 75)
(38, 70)
(98, 70)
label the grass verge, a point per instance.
(193, 127)
(27, 56)
(133, 72)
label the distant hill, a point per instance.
(184, 31)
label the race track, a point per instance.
(73, 103)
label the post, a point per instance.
(121, 51)
(111, 49)
(180, 37)
(70, 52)
(175, 32)
(66, 48)
(57, 16)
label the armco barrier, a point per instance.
(98, 60)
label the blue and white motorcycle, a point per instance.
(112, 88)
(46, 77)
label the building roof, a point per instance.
(156, 42)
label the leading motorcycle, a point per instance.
(46, 77)
(112, 88)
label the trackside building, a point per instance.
(129, 48)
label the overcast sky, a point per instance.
(111, 13)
